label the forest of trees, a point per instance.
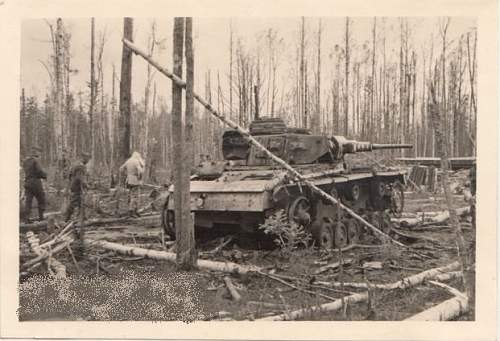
(372, 93)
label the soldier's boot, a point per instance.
(40, 213)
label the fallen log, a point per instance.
(334, 265)
(279, 306)
(448, 276)
(44, 254)
(427, 218)
(232, 289)
(42, 225)
(332, 306)
(202, 264)
(52, 264)
(360, 297)
(445, 311)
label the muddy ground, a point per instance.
(103, 285)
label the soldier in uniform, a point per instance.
(134, 168)
(33, 184)
(77, 186)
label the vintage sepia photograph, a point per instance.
(248, 169)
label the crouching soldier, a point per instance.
(134, 168)
(33, 184)
(77, 187)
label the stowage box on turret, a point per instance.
(247, 186)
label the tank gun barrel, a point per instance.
(344, 146)
(376, 146)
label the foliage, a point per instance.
(289, 235)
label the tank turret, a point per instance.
(296, 146)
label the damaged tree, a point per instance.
(182, 137)
(125, 93)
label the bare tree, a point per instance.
(186, 252)
(125, 92)
(92, 89)
(346, 90)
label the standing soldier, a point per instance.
(33, 184)
(77, 186)
(134, 167)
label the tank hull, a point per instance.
(238, 200)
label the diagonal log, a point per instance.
(202, 264)
(246, 135)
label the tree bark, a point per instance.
(186, 251)
(125, 93)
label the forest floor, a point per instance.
(104, 285)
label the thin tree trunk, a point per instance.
(346, 92)
(92, 90)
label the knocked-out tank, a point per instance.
(247, 186)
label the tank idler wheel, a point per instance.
(397, 198)
(340, 235)
(354, 231)
(323, 234)
(299, 211)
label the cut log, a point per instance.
(445, 311)
(232, 289)
(171, 257)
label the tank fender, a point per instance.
(283, 193)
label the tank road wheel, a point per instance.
(354, 231)
(353, 191)
(168, 221)
(299, 211)
(340, 235)
(323, 234)
(397, 198)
